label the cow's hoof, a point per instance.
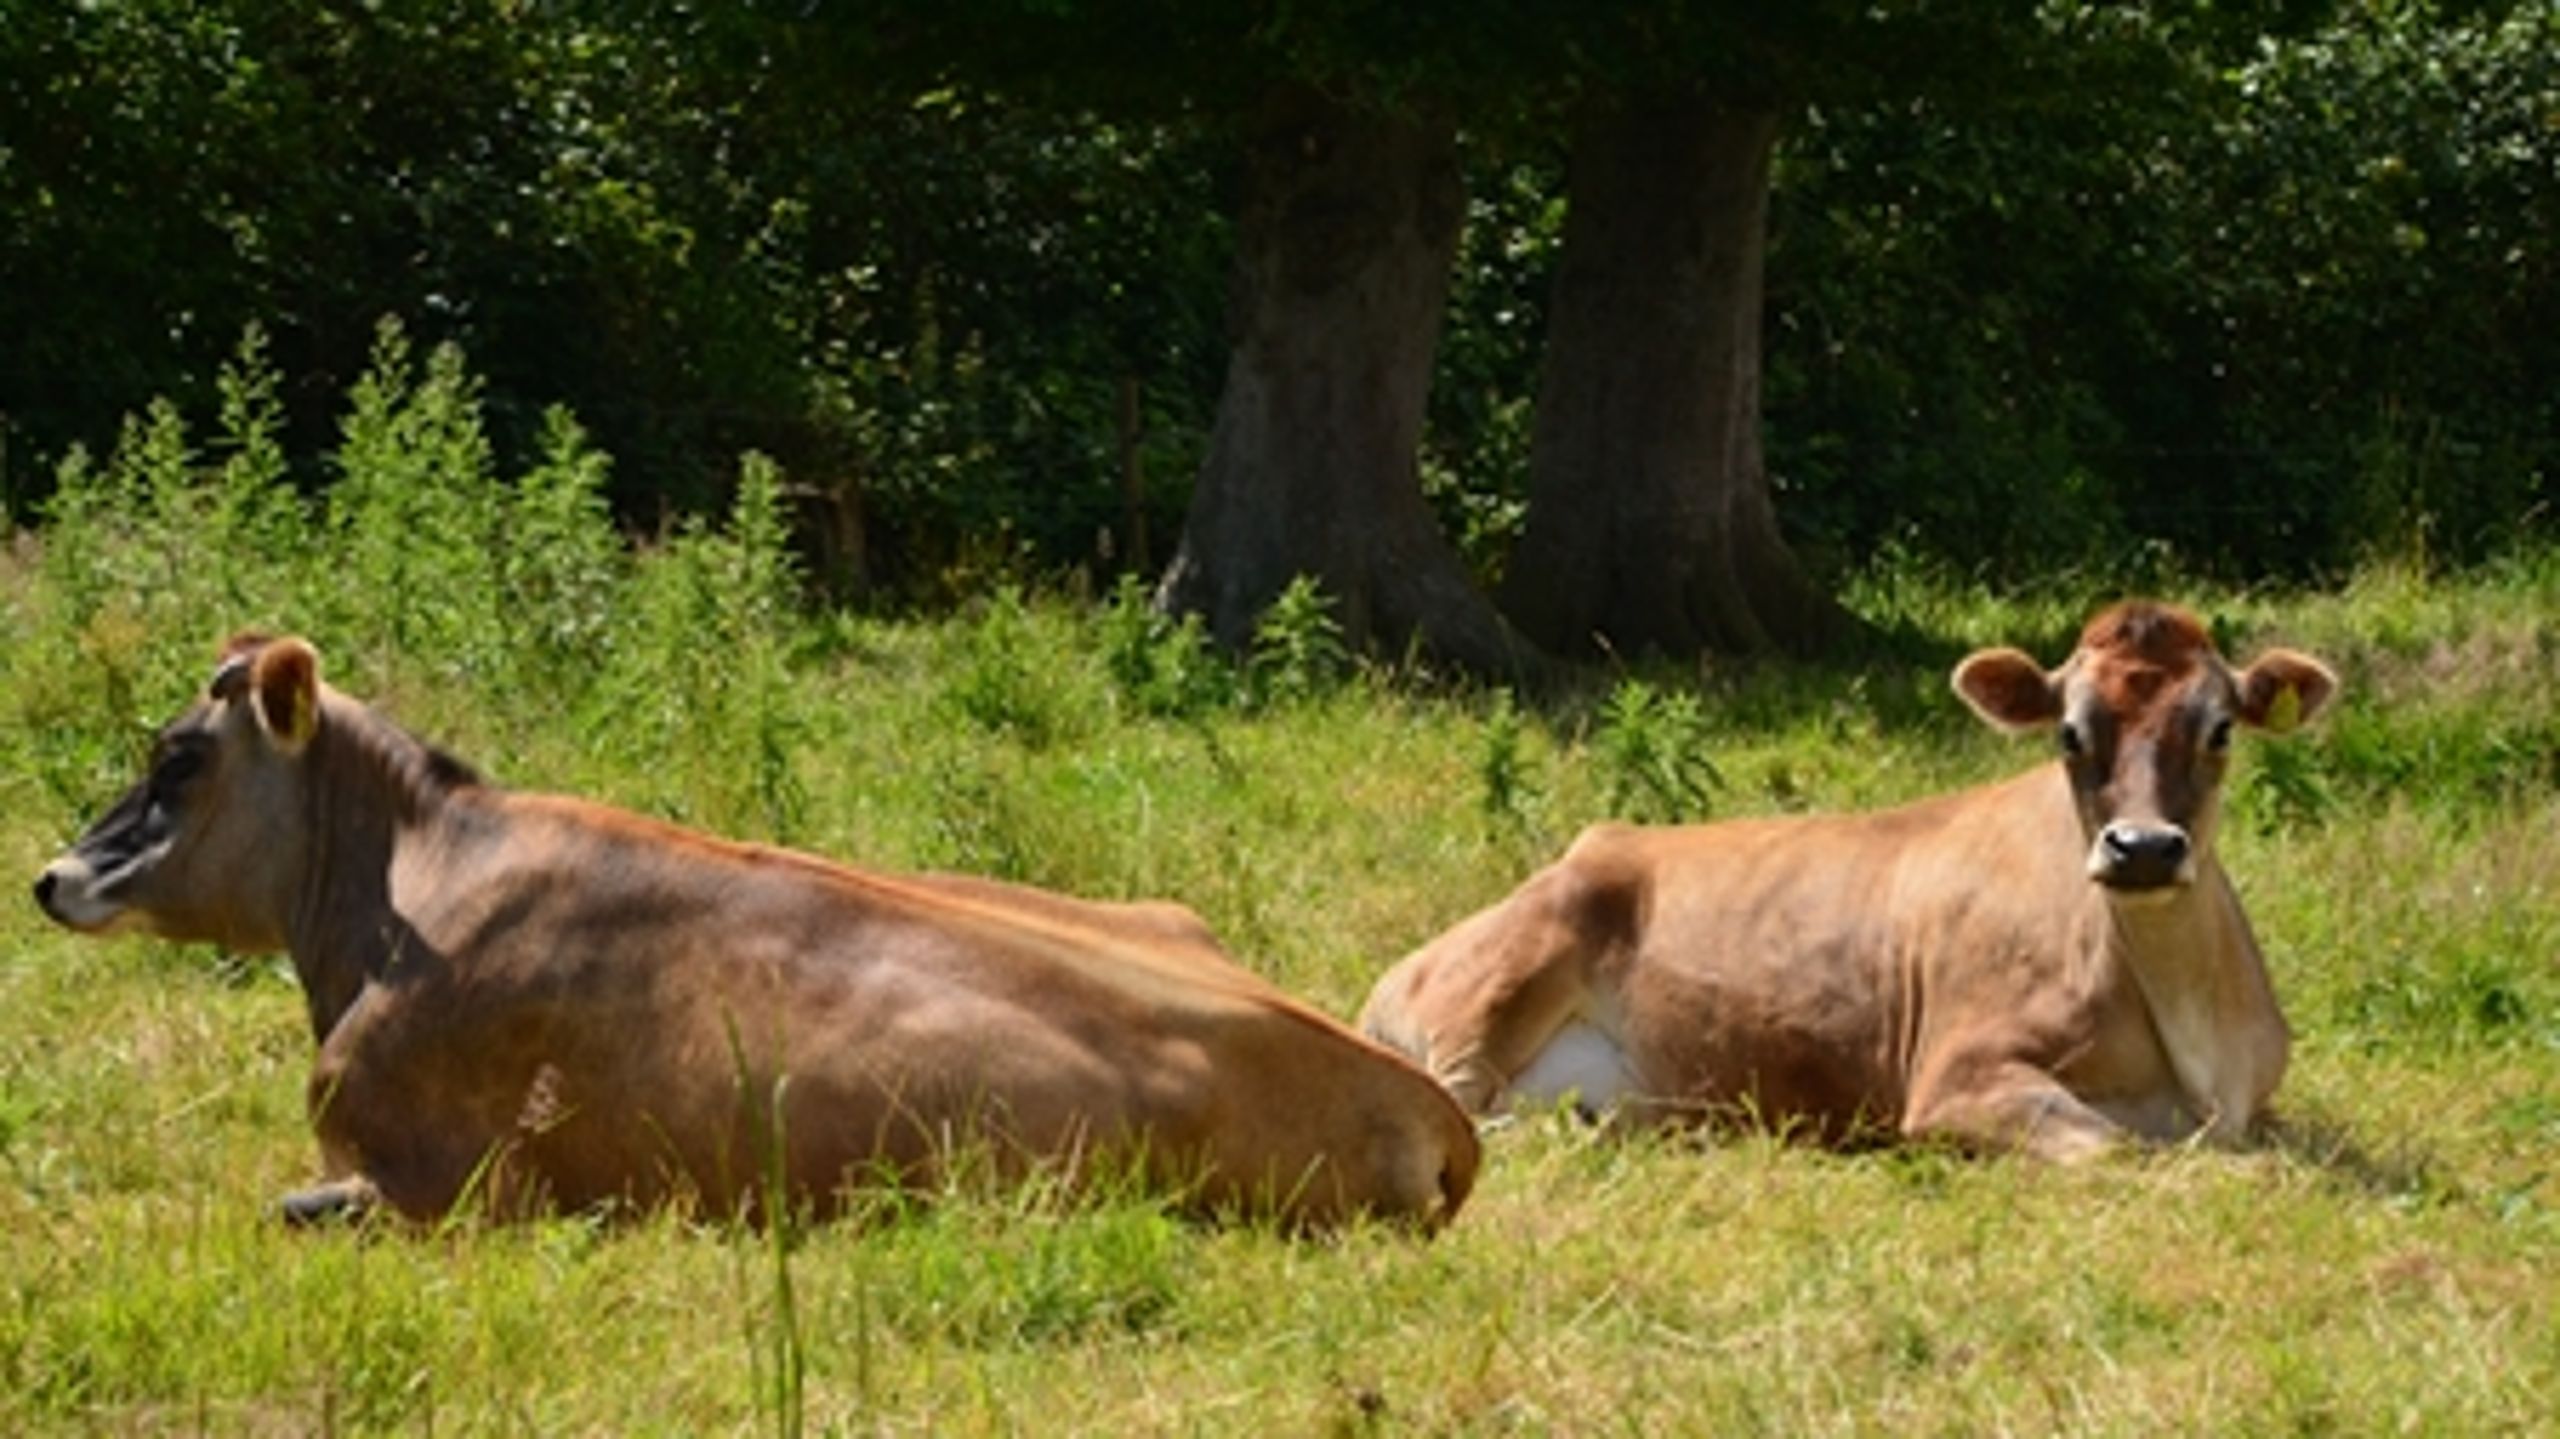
(344, 1202)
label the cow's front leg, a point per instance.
(336, 1201)
(2013, 1106)
(390, 1136)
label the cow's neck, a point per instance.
(371, 791)
(2202, 983)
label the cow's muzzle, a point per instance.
(69, 894)
(46, 884)
(2136, 857)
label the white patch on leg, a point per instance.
(1584, 1066)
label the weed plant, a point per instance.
(2382, 1261)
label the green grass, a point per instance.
(2383, 1263)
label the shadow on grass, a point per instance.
(2406, 1171)
(1889, 673)
(1891, 685)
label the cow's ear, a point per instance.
(2283, 689)
(284, 680)
(2009, 689)
(231, 676)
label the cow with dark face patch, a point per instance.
(2053, 963)
(533, 1001)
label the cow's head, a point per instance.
(2144, 712)
(209, 844)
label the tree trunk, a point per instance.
(1347, 229)
(1650, 527)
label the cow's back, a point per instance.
(901, 1019)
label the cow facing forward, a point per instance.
(2050, 963)
(539, 1001)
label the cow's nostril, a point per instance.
(2126, 843)
(44, 889)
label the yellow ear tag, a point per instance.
(2285, 710)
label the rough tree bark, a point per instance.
(1344, 239)
(1650, 526)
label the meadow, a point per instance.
(2381, 1261)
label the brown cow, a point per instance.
(2048, 963)
(526, 1000)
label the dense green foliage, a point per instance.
(2141, 283)
(2278, 309)
(2382, 1259)
(922, 304)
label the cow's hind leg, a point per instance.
(1482, 1005)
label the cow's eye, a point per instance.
(180, 764)
(2074, 744)
(2218, 738)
